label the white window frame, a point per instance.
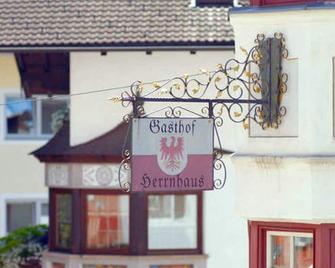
(38, 199)
(291, 235)
(37, 119)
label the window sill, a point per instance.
(76, 261)
(26, 141)
(167, 252)
(27, 138)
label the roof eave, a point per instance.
(165, 47)
(78, 158)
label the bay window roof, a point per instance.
(105, 148)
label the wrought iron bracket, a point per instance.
(246, 90)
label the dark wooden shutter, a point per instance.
(270, 71)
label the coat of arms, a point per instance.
(172, 158)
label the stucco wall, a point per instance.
(310, 44)
(225, 233)
(21, 174)
(9, 73)
(296, 174)
(91, 71)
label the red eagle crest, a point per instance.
(173, 151)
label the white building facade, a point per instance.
(285, 177)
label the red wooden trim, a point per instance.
(323, 248)
(256, 2)
(138, 224)
(76, 221)
(51, 236)
(102, 192)
(280, 2)
(323, 235)
(53, 219)
(119, 251)
(283, 226)
(332, 246)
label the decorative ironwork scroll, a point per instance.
(251, 89)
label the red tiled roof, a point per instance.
(111, 23)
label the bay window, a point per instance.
(113, 222)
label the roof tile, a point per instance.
(111, 22)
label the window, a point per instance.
(20, 116)
(63, 220)
(172, 222)
(21, 213)
(289, 250)
(32, 119)
(166, 206)
(291, 245)
(107, 221)
(114, 222)
(49, 111)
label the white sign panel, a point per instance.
(172, 154)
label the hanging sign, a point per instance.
(172, 154)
